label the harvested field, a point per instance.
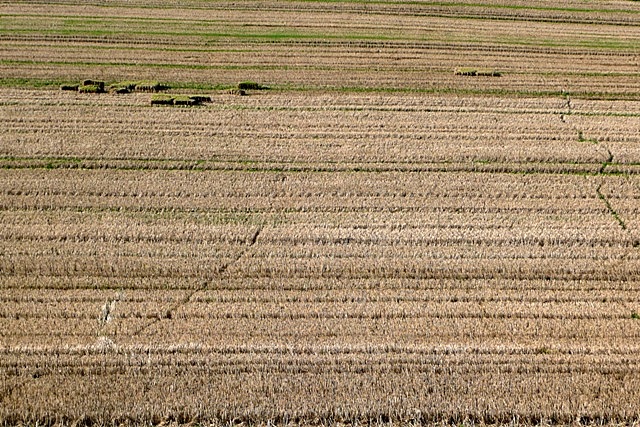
(381, 237)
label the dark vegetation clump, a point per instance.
(88, 83)
(95, 86)
(69, 87)
(201, 98)
(481, 72)
(179, 100)
(248, 85)
(149, 86)
(124, 87)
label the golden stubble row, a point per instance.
(599, 288)
(437, 58)
(366, 397)
(405, 189)
(417, 392)
(355, 307)
(303, 130)
(257, 291)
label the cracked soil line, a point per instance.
(168, 313)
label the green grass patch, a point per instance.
(162, 99)
(91, 86)
(89, 82)
(90, 89)
(123, 87)
(185, 101)
(27, 83)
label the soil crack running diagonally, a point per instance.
(601, 171)
(168, 313)
(608, 160)
(610, 208)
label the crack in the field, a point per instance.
(169, 312)
(601, 172)
(608, 161)
(582, 138)
(603, 166)
(593, 141)
(610, 208)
